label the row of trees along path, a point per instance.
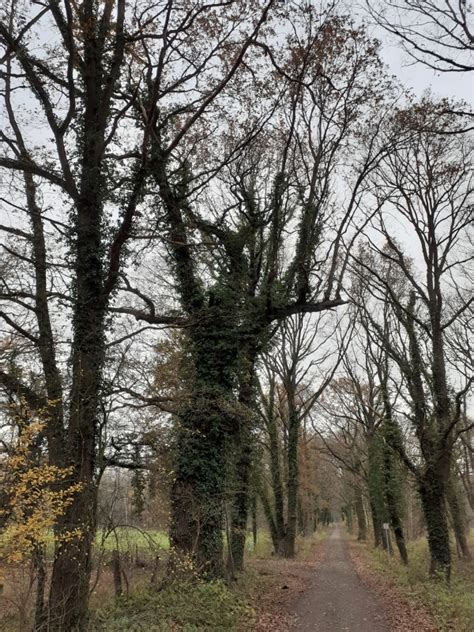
(146, 187)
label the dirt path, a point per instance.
(336, 600)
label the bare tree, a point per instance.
(428, 182)
(293, 388)
(436, 33)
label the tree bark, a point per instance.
(69, 590)
(432, 494)
(360, 513)
(243, 449)
(254, 520)
(40, 606)
(458, 517)
(292, 487)
(206, 428)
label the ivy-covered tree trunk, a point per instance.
(253, 504)
(240, 497)
(69, 591)
(376, 524)
(360, 513)
(267, 510)
(376, 489)
(243, 449)
(432, 493)
(391, 442)
(394, 514)
(278, 518)
(292, 486)
(197, 491)
(458, 517)
(205, 430)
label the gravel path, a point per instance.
(336, 601)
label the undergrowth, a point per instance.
(183, 606)
(451, 606)
(188, 604)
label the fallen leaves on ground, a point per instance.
(403, 615)
(285, 580)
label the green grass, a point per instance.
(451, 606)
(264, 548)
(183, 606)
(131, 538)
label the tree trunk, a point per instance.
(197, 494)
(239, 511)
(205, 434)
(376, 485)
(349, 518)
(40, 608)
(399, 536)
(360, 513)
(292, 495)
(391, 442)
(117, 572)
(458, 517)
(393, 504)
(267, 510)
(377, 525)
(69, 592)
(243, 450)
(432, 494)
(277, 484)
(254, 520)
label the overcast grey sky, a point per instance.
(459, 85)
(416, 76)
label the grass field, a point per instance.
(131, 538)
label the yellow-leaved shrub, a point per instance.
(37, 494)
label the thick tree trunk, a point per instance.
(292, 493)
(360, 513)
(349, 518)
(243, 466)
(277, 485)
(205, 434)
(376, 525)
(69, 592)
(393, 502)
(432, 494)
(240, 501)
(267, 510)
(392, 440)
(376, 489)
(197, 494)
(117, 572)
(399, 536)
